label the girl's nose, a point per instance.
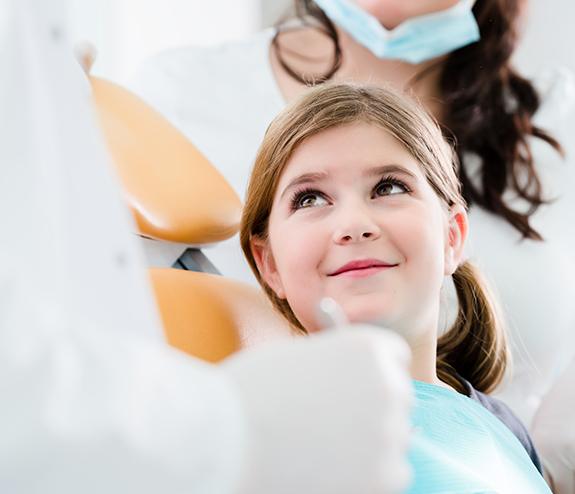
(356, 226)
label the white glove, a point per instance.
(93, 409)
(326, 414)
(553, 432)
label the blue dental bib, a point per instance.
(459, 447)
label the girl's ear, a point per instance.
(266, 265)
(457, 227)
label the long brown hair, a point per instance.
(474, 348)
(487, 106)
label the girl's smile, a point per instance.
(362, 268)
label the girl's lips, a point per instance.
(364, 272)
(360, 268)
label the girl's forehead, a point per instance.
(347, 151)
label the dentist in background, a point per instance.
(455, 56)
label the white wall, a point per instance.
(549, 36)
(272, 10)
(127, 31)
(548, 43)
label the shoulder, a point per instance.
(204, 89)
(202, 83)
(505, 415)
(194, 63)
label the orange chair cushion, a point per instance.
(173, 190)
(211, 317)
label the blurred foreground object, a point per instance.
(93, 400)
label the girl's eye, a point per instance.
(389, 187)
(307, 199)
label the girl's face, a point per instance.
(391, 13)
(355, 219)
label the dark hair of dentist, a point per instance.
(484, 104)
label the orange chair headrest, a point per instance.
(173, 190)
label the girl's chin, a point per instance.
(357, 310)
(368, 315)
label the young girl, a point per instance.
(354, 196)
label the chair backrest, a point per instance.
(210, 316)
(176, 195)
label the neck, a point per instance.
(359, 63)
(424, 359)
(311, 53)
(423, 346)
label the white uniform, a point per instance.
(223, 98)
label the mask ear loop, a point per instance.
(337, 55)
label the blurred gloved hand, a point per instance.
(553, 432)
(326, 414)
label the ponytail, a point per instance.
(475, 347)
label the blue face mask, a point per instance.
(414, 40)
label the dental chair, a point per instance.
(177, 196)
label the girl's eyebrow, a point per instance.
(309, 178)
(305, 178)
(391, 168)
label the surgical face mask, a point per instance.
(415, 40)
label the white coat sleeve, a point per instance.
(98, 410)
